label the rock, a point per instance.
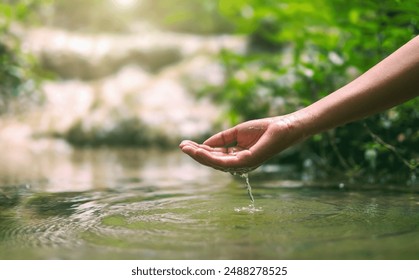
(128, 108)
(166, 105)
(65, 103)
(78, 56)
(133, 89)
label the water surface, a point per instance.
(133, 204)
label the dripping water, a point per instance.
(251, 208)
(248, 186)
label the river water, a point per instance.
(136, 204)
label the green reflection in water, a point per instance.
(194, 221)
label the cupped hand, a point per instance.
(244, 147)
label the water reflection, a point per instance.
(138, 204)
(59, 168)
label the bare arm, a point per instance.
(391, 82)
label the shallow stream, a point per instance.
(133, 204)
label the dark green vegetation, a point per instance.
(300, 51)
(18, 71)
(304, 50)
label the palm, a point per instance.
(239, 138)
(234, 150)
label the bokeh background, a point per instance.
(147, 74)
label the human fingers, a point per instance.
(192, 150)
(222, 138)
(208, 156)
(233, 163)
(203, 156)
(221, 160)
(214, 150)
(227, 159)
(188, 145)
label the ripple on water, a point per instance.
(161, 228)
(48, 220)
(174, 223)
(251, 209)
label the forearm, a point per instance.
(391, 82)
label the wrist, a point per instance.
(296, 125)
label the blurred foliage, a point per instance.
(302, 50)
(89, 16)
(17, 74)
(194, 16)
(299, 52)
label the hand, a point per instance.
(244, 147)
